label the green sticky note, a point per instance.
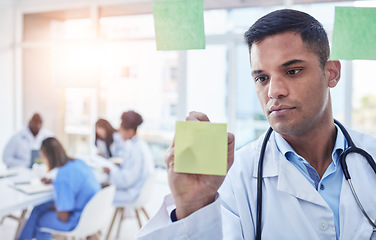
(179, 24)
(201, 148)
(354, 33)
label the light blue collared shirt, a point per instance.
(329, 186)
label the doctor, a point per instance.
(137, 166)
(23, 148)
(305, 195)
(108, 140)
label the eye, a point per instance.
(293, 71)
(261, 78)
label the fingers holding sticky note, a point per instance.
(201, 148)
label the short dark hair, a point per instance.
(131, 120)
(54, 152)
(287, 20)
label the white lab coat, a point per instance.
(116, 147)
(292, 208)
(17, 153)
(137, 166)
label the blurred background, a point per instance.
(75, 61)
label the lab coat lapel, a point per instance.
(364, 181)
(27, 135)
(31, 140)
(290, 180)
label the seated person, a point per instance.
(23, 148)
(108, 140)
(74, 185)
(137, 165)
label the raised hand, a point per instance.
(194, 191)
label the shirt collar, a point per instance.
(284, 147)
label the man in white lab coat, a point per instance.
(305, 195)
(23, 148)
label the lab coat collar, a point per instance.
(134, 139)
(290, 180)
(339, 146)
(27, 134)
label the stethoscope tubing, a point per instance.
(351, 149)
(259, 184)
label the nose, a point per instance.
(277, 88)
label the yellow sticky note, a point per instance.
(201, 148)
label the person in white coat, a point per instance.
(108, 140)
(305, 195)
(137, 165)
(23, 148)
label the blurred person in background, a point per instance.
(74, 185)
(137, 165)
(22, 150)
(108, 140)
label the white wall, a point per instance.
(7, 125)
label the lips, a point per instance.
(280, 109)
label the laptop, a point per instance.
(32, 186)
(34, 156)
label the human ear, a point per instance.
(333, 72)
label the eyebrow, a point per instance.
(291, 62)
(256, 72)
(286, 64)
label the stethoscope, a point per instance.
(351, 149)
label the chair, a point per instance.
(93, 217)
(21, 220)
(138, 206)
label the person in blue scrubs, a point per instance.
(74, 185)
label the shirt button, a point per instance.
(323, 225)
(322, 187)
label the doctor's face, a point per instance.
(34, 127)
(290, 83)
(126, 134)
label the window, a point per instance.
(163, 86)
